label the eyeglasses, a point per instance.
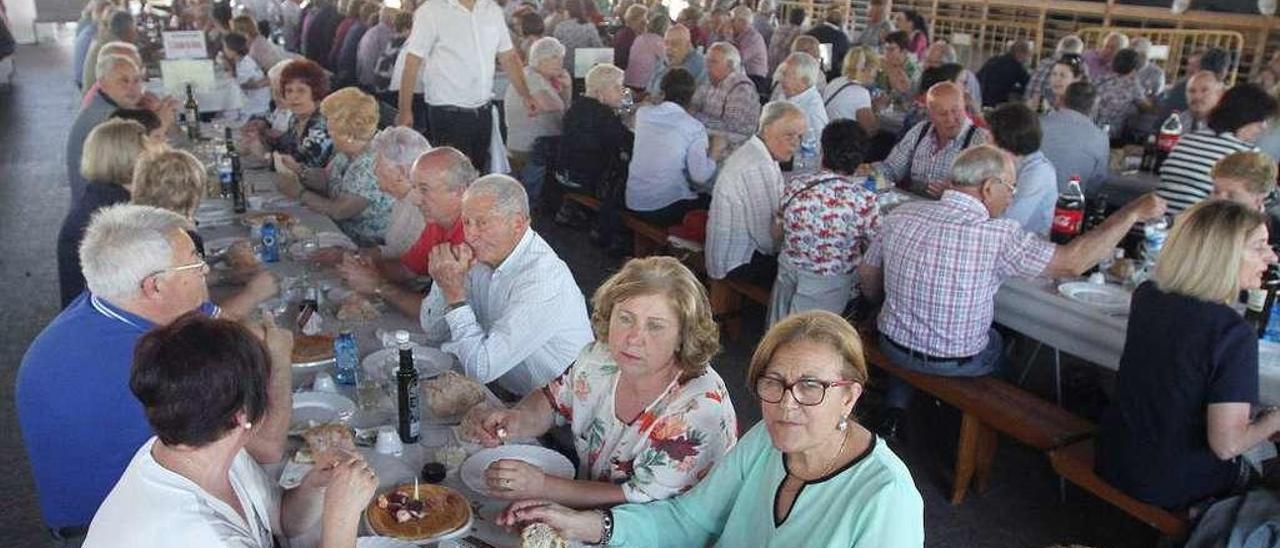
(1012, 189)
(199, 264)
(808, 392)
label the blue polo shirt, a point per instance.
(80, 423)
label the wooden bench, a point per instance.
(726, 302)
(1075, 463)
(988, 405)
(648, 237)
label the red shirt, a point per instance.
(418, 258)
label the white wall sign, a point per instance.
(185, 44)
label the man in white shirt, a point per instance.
(503, 302)
(458, 41)
(798, 79)
(672, 153)
(747, 195)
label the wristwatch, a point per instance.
(454, 306)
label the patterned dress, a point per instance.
(311, 144)
(667, 449)
(369, 227)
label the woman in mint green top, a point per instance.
(805, 476)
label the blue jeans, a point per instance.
(898, 393)
(535, 170)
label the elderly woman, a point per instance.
(306, 144)
(175, 180)
(1246, 178)
(849, 96)
(1016, 130)
(808, 374)
(1188, 379)
(810, 45)
(649, 415)
(261, 50)
(1233, 126)
(593, 161)
(203, 383)
(647, 52)
(577, 31)
(798, 79)
(1067, 70)
(349, 194)
(672, 150)
(107, 163)
(533, 137)
(828, 220)
(395, 150)
(633, 23)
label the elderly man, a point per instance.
(798, 79)
(371, 46)
(1038, 87)
(119, 86)
(831, 31)
(878, 24)
(80, 423)
(941, 52)
(751, 46)
(1100, 60)
(120, 27)
(921, 161)
(1204, 90)
(747, 194)
(1150, 75)
(110, 48)
(438, 178)
(1004, 77)
(938, 265)
(1073, 144)
(679, 53)
(1245, 177)
(457, 41)
(728, 101)
(1215, 60)
(503, 302)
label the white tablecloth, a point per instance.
(1033, 307)
(223, 96)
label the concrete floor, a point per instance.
(1022, 508)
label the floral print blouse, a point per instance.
(369, 227)
(667, 449)
(310, 145)
(828, 221)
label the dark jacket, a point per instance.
(598, 140)
(96, 196)
(1000, 77)
(828, 34)
(318, 38)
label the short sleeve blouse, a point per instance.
(355, 176)
(666, 450)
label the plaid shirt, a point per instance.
(747, 193)
(912, 167)
(943, 262)
(732, 106)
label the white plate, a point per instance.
(383, 542)
(545, 459)
(320, 408)
(1112, 299)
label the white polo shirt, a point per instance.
(459, 50)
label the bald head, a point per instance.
(945, 102)
(441, 175)
(1204, 90)
(678, 42)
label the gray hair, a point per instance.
(1069, 44)
(399, 145)
(730, 53)
(460, 173)
(977, 165)
(658, 23)
(743, 13)
(805, 66)
(602, 76)
(777, 110)
(124, 244)
(1124, 40)
(509, 197)
(108, 63)
(949, 54)
(1142, 45)
(118, 45)
(119, 23)
(545, 48)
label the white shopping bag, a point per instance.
(497, 150)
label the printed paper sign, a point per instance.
(185, 44)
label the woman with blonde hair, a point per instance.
(349, 194)
(649, 415)
(107, 164)
(261, 50)
(1188, 379)
(849, 96)
(808, 373)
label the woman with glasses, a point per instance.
(807, 475)
(1187, 388)
(649, 416)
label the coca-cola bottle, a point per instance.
(1068, 215)
(1170, 132)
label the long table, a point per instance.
(392, 470)
(1034, 308)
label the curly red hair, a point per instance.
(309, 73)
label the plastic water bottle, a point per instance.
(346, 357)
(1272, 332)
(807, 156)
(1154, 235)
(270, 243)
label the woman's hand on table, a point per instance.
(490, 426)
(579, 525)
(359, 275)
(288, 183)
(350, 486)
(511, 479)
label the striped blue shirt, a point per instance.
(1184, 176)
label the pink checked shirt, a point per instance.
(942, 263)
